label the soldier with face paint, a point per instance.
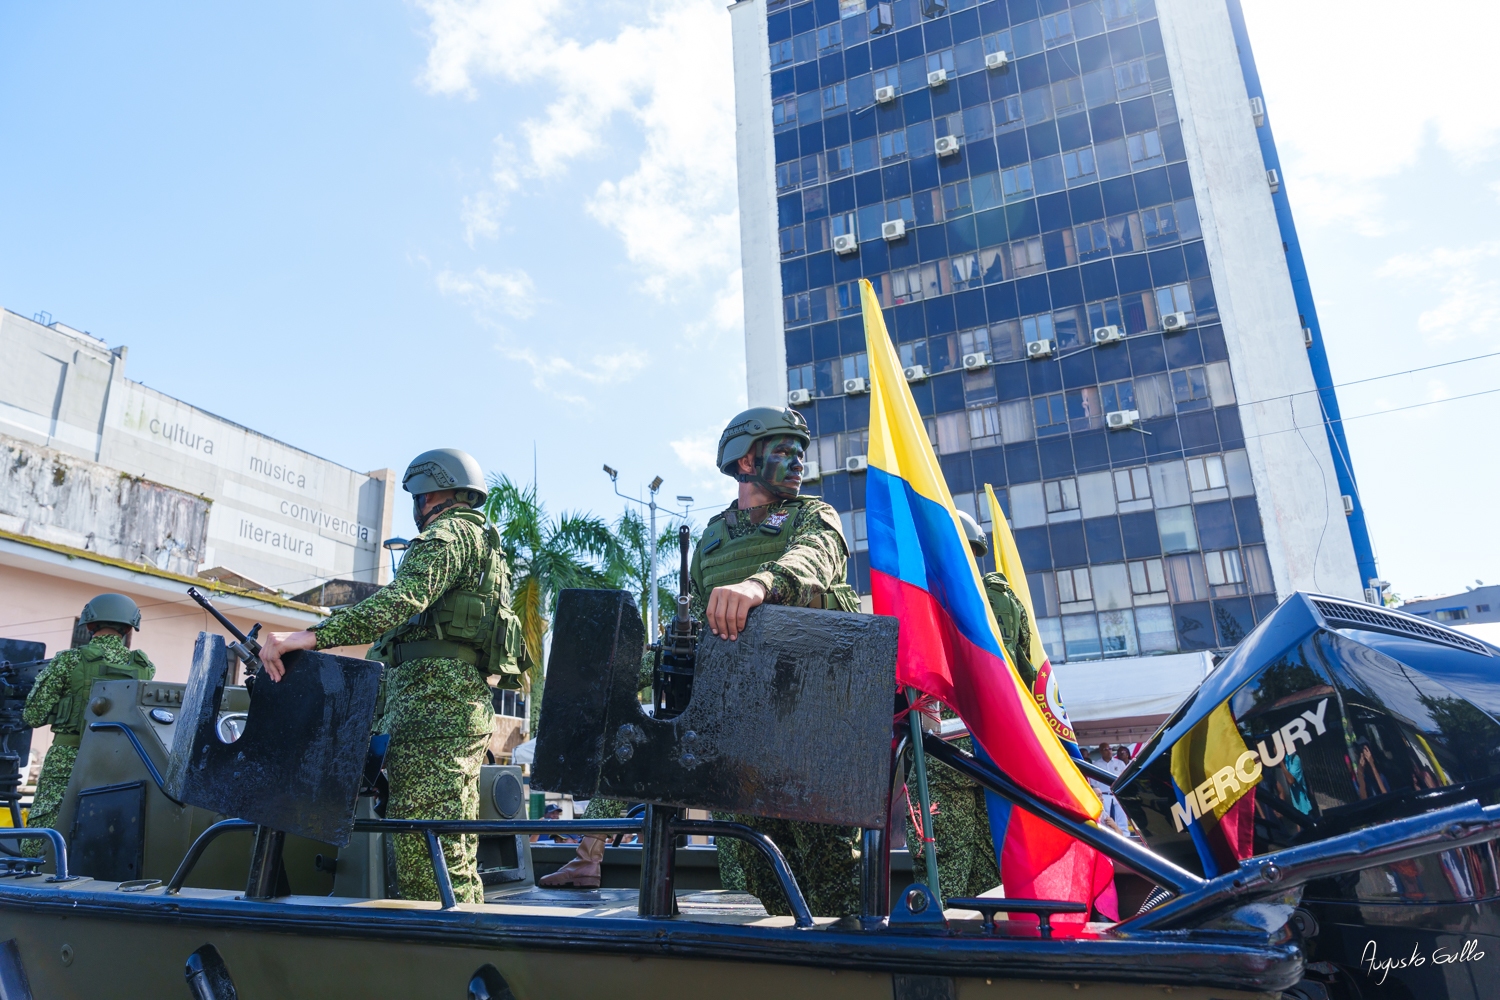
(772, 546)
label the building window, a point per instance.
(1015, 183)
(1073, 586)
(1125, 233)
(511, 704)
(1028, 257)
(1081, 637)
(1116, 396)
(1175, 299)
(840, 161)
(1132, 484)
(835, 97)
(964, 272)
(1205, 473)
(1225, 574)
(1178, 533)
(1084, 411)
(1008, 114)
(1147, 577)
(1117, 633)
(1145, 150)
(1451, 614)
(792, 239)
(1061, 494)
(956, 199)
(784, 113)
(788, 175)
(1057, 29)
(781, 52)
(984, 426)
(800, 377)
(1132, 79)
(1186, 580)
(1159, 225)
(940, 60)
(952, 433)
(1051, 414)
(1155, 628)
(893, 147)
(830, 37)
(1482, 609)
(1190, 389)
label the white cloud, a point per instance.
(698, 451)
(668, 71)
(510, 292)
(1466, 285)
(561, 377)
(1356, 93)
(482, 210)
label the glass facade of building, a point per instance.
(1042, 195)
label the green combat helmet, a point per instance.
(444, 469)
(751, 426)
(979, 544)
(111, 609)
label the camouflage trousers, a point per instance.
(824, 859)
(601, 808)
(961, 834)
(436, 779)
(50, 785)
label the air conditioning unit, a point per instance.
(855, 387)
(974, 362)
(885, 95)
(799, 397)
(1039, 349)
(1307, 336)
(880, 18)
(1273, 179)
(916, 373)
(1174, 321)
(996, 60)
(1258, 111)
(1119, 420)
(1372, 596)
(1108, 334)
(937, 78)
(846, 243)
(810, 471)
(1348, 505)
(947, 145)
(893, 230)
(856, 463)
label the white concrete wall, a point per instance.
(760, 256)
(1307, 540)
(281, 516)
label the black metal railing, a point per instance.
(140, 751)
(19, 867)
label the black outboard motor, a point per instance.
(1332, 716)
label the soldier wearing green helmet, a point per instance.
(442, 626)
(61, 694)
(772, 546)
(960, 822)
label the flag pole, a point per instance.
(919, 760)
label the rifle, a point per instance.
(676, 654)
(246, 649)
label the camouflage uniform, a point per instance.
(42, 704)
(824, 858)
(961, 825)
(438, 711)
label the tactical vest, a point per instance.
(475, 626)
(726, 561)
(93, 665)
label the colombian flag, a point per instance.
(1037, 860)
(922, 572)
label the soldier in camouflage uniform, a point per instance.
(961, 822)
(439, 711)
(61, 694)
(773, 547)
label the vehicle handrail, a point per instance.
(140, 751)
(59, 850)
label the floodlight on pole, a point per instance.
(394, 545)
(614, 478)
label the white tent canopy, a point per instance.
(1141, 685)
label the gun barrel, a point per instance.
(207, 605)
(684, 542)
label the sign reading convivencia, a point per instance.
(274, 506)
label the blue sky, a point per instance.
(369, 229)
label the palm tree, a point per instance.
(546, 556)
(627, 565)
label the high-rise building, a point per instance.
(1074, 216)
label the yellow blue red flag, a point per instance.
(923, 573)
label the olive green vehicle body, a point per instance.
(339, 935)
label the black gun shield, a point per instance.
(791, 720)
(296, 767)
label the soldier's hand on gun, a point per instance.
(281, 643)
(728, 607)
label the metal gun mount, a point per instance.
(672, 682)
(792, 720)
(296, 767)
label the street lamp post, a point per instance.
(614, 478)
